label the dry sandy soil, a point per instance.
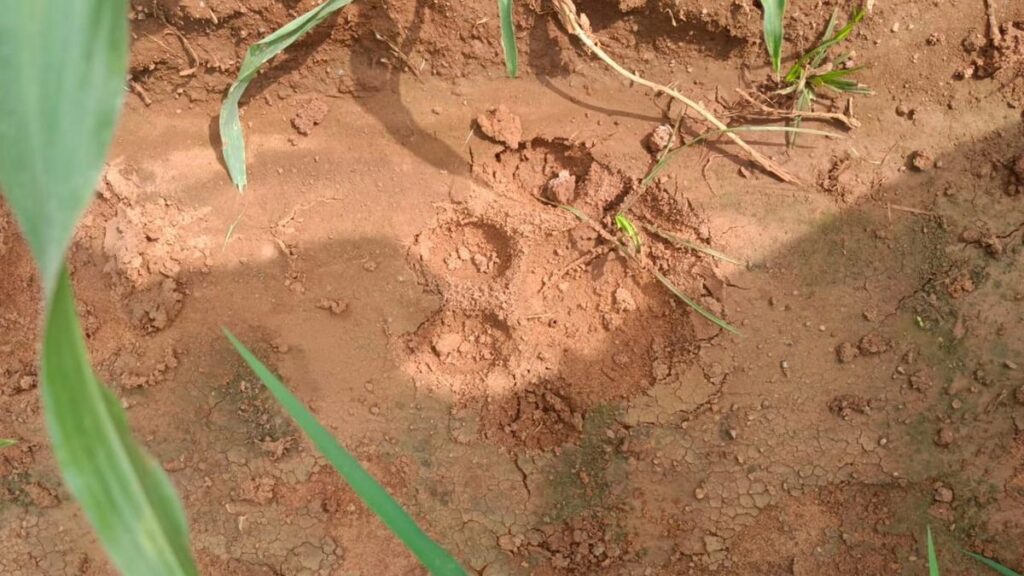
(539, 403)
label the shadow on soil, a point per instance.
(606, 483)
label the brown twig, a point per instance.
(399, 54)
(140, 92)
(586, 257)
(704, 172)
(164, 46)
(578, 25)
(995, 36)
(910, 210)
(193, 58)
(769, 112)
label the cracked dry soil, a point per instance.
(538, 402)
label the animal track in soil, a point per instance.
(540, 319)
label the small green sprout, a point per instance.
(813, 71)
(626, 226)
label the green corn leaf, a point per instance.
(933, 561)
(63, 69)
(996, 566)
(5, 442)
(63, 66)
(774, 10)
(233, 141)
(439, 562)
(508, 37)
(125, 494)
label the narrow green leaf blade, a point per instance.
(63, 68)
(996, 566)
(774, 10)
(933, 561)
(692, 245)
(439, 562)
(125, 494)
(829, 40)
(693, 304)
(5, 442)
(232, 139)
(508, 37)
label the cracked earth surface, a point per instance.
(541, 404)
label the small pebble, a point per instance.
(944, 437)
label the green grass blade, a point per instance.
(839, 62)
(933, 561)
(5, 442)
(829, 41)
(692, 245)
(815, 56)
(63, 66)
(995, 566)
(803, 104)
(837, 80)
(773, 13)
(818, 53)
(693, 304)
(232, 140)
(439, 562)
(124, 492)
(508, 37)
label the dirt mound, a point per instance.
(148, 241)
(536, 313)
(1000, 56)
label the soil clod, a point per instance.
(310, 114)
(921, 160)
(660, 138)
(501, 125)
